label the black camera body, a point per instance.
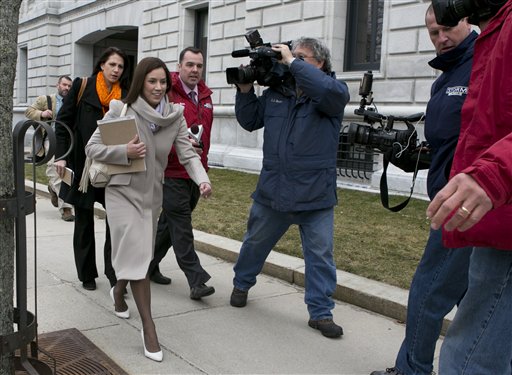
(381, 138)
(450, 12)
(263, 67)
(401, 147)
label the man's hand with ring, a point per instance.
(465, 210)
(463, 197)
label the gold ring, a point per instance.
(465, 210)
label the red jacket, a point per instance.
(202, 114)
(484, 150)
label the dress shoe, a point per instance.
(67, 214)
(200, 291)
(388, 371)
(158, 278)
(120, 314)
(114, 282)
(238, 298)
(327, 327)
(155, 356)
(53, 197)
(89, 284)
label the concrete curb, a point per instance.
(369, 294)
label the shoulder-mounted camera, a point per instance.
(450, 12)
(263, 67)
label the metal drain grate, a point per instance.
(75, 354)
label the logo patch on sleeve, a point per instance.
(457, 90)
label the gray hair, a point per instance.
(320, 51)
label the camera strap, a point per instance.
(49, 104)
(384, 196)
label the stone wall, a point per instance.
(60, 37)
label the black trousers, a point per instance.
(84, 246)
(180, 197)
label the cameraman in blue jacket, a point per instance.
(297, 185)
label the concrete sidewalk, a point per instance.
(269, 336)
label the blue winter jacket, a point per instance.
(442, 121)
(301, 136)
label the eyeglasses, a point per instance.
(302, 57)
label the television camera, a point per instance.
(263, 67)
(450, 12)
(399, 147)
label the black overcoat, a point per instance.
(81, 119)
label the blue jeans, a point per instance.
(439, 283)
(479, 340)
(266, 226)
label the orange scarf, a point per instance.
(104, 94)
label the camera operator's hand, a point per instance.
(465, 198)
(244, 87)
(286, 55)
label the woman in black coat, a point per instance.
(80, 110)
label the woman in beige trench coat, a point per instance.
(133, 200)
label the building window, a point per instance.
(364, 35)
(22, 75)
(201, 34)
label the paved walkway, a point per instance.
(269, 336)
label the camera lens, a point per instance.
(358, 134)
(244, 74)
(450, 12)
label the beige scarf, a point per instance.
(165, 116)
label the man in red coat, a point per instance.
(180, 192)
(475, 207)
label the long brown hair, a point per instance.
(146, 65)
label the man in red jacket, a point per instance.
(180, 192)
(475, 207)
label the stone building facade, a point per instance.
(65, 37)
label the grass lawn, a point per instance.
(369, 240)
(40, 173)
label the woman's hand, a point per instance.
(60, 167)
(205, 189)
(135, 149)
